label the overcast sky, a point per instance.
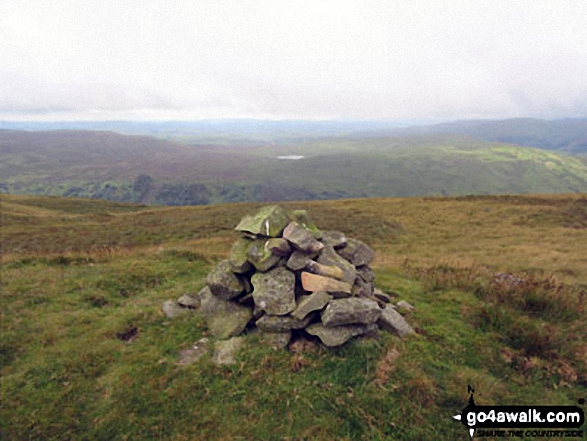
(176, 59)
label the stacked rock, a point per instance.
(284, 274)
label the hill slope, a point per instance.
(143, 169)
(78, 275)
(567, 135)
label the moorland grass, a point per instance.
(74, 281)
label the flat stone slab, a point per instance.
(223, 282)
(313, 282)
(392, 321)
(350, 311)
(193, 354)
(281, 323)
(381, 295)
(274, 291)
(268, 221)
(357, 253)
(301, 239)
(313, 302)
(338, 335)
(172, 310)
(225, 351)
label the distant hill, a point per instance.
(566, 135)
(107, 165)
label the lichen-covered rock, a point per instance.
(261, 256)
(357, 253)
(225, 351)
(274, 291)
(303, 219)
(350, 311)
(392, 321)
(279, 246)
(238, 256)
(224, 318)
(313, 282)
(335, 239)
(223, 282)
(328, 256)
(380, 295)
(313, 302)
(268, 221)
(301, 239)
(189, 301)
(338, 335)
(281, 323)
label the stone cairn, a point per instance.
(286, 275)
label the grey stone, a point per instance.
(357, 253)
(225, 318)
(225, 351)
(223, 282)
(335, 239)
(279, 247)
(281, 323)
(402, 304)
(362, 288)
(350, 311)
(366, 273)
(268, 221)
(298, 260)
(275, 340)
(329, 256)
(310, 303)
(331, 271)
(238, 256)
(392, 321)
(301, 239)
(381, 295)
(338, 335)
(274, 291)
(193, 354)
(189, 301)
(172, 310)
(260, 255)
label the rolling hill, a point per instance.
(143, 169)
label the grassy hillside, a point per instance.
(77, 274)
(115, 167)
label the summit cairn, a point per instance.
(284, 275)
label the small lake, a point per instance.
(292, 157)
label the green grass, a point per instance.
(67, 375)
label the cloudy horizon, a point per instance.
(399, 60)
